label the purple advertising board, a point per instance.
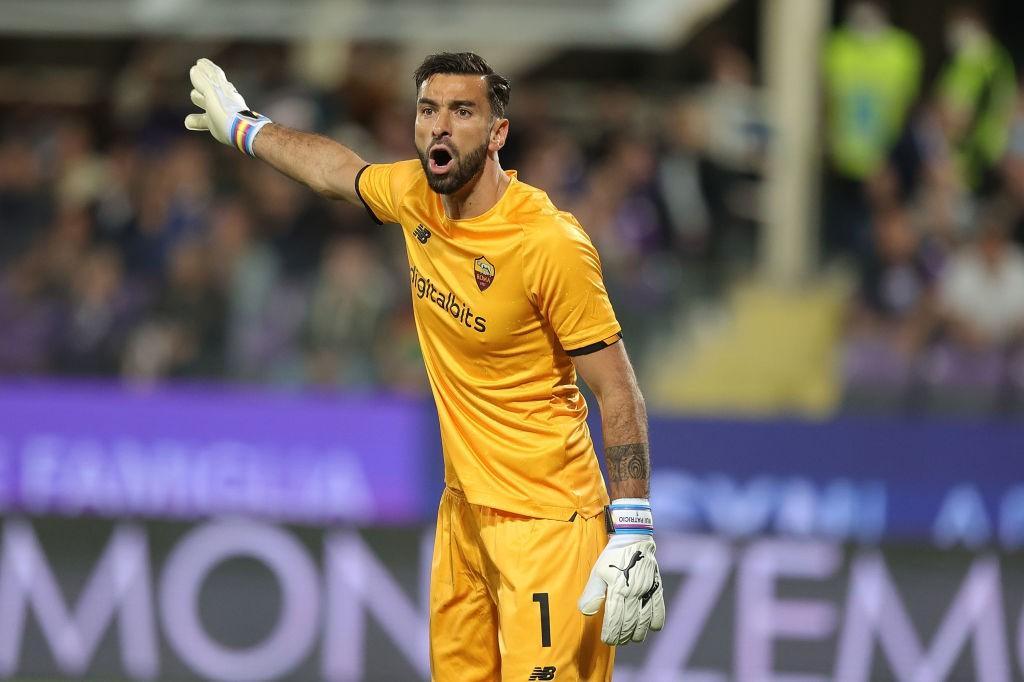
(187, 452)
(834, 551)
(860, 480)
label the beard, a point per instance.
(463, 169)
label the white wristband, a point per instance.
(630, 516)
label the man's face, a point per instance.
(453, 130)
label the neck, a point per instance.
(479, 194)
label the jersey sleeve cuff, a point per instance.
(360, 195)
(596, 346)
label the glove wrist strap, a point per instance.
(244, 128)
(629, 516)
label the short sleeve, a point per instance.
(380, 187)
(562, 273)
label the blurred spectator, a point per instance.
(553, 160)
(679, 177)
(185, 335)
(25, 198)
(294, 223)
(897, 279)
(79, 172)
(116, 207)
(1013, 162)
(399, 359)
(948, 205)
(893, 314)
(29, 316)
(348, 305)
(622, 207)
(63, 244)
(97, 317)
(174, 198)
(258, 333)
(625, 213)
(872, 73)
(735, 136)
(976, 93)
(982, 289)
(969, 370)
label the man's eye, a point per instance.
(464, 113)
(426, 111)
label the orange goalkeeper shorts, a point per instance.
(503, 592)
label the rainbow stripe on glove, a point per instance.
(244, 128)
(629, 516)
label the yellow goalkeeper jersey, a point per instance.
(501, 301)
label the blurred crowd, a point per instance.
(924, 192)
(131, 248)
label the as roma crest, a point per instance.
(484, 272)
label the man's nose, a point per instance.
(442, 125)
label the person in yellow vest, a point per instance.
(510, 304)
(872, 75)
(976, 94)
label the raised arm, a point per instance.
(327, 167)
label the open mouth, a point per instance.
(440, 159)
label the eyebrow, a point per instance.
(454, 104)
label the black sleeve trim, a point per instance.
(360, 195)
(594, 347)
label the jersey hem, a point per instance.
(532, 509)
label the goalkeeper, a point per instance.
(510, 305)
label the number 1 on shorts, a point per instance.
(545, 618)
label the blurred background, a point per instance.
(218, 452)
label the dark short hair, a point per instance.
(471, 64)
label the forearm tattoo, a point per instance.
(629, 469)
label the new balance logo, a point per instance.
(637, 556)
(545, 673)
(421, 233)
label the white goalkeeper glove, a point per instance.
(626, 576)
(225, 113)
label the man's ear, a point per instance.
(499, 133)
